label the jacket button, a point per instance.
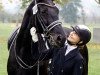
(51, 73)
(61, 70)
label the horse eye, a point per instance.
(59, 38)
(44, 11)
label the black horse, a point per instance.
(43, 15)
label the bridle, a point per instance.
(46, 29)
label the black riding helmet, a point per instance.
(83, 32)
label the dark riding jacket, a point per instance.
(71, 64)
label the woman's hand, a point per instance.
(34, 34)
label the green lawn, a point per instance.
(94, 59)
(5, 30)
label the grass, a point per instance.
(5, 30)
(94, 59)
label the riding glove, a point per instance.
(33, 34)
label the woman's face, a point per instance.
(73, 37)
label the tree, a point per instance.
(0, 5)
(26, 2)
(98, 1)
(69, 11)
(2, 13)
(83, 16)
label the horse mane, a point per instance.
(23, 34)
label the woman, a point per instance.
(68, 60)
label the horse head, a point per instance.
(43, 15)
(46, 20)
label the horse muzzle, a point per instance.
(56, 40)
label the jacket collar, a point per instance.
(70, 48)
(71, 54)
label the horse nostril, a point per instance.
(59, 38)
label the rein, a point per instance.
(18, 59)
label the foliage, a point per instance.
(5, 17)
(0, 6)
(26, 2)
(98, 1)
(69, 11)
